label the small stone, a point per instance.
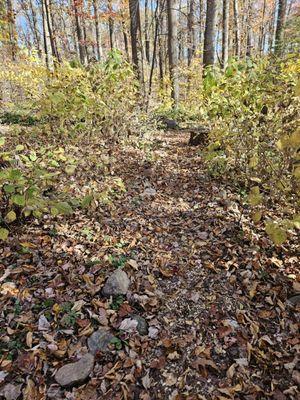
(11, 392)
(100, 340)
(75, 373)
(148, 192)
(118, 283)
(294, 299)
(142, 325)
(44, 324)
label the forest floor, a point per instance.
(211, 289)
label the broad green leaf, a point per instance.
(2, 141)
(86, 201)
(3, 234)
(9, 188)
(276, 233)
(254, 197)
(70, 169)
(296, 221)
(10, 216)
(19, 147)
(253, 162)
(256, 216)
(61, 208)
(19, 199)
(33, 156)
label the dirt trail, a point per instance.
(213, 295)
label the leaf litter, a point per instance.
(212, 288)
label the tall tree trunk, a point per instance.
(156, 19)
(280, 26)
(54, 50)
(172, 7)
(36, 33)
(125, 38)
(82, 54)
(97, 31)
(210, 33)
(237, 28)
(225, 33)
(85, 38)
(261, 41)
(11, 30)
(201, 26)
(191, 32)
(44, 23)
(249, 44)
(134, 11)
(110, 26)
(147, 40)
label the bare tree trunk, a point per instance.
(85, 38)
(110, 26)
(261, 41)
(201, 25)
(45, 35)
(97, 31)
(156, 18)
(172, 7)
(237, 28)
(210, 33)
(225, 33)
(134, 11)
(50, 31)
(249, 44)
(10, 16)
(147, 40)
(191, 32)
(82, 54)
(125, 38)
(36, 32)
(280, 26)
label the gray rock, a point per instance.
(142, 326)
(100, 340)
(75, 373)
(294, 300)
(117, 283)
(11, 392)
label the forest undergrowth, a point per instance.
(208, 236)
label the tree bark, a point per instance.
(225, 33)
(172, 7)
(261, 41)
(97, 31)
(11, 29)
(210, 33)
(82, 53)
(280, 26)
(110, 26)
(134, 12)
(147, 40)
(44, 23)
(237, 28)
(191, 32)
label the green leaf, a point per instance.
(86, 201)
(20, 147)
(70, 169)
(10, 217)
(254, 197)
(9, 188)
(276, 233)
(19, 199)
(2, 141)
(63, 208)
(3, 234)
(33, 156)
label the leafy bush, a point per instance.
(254, 111)
(87, 100)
